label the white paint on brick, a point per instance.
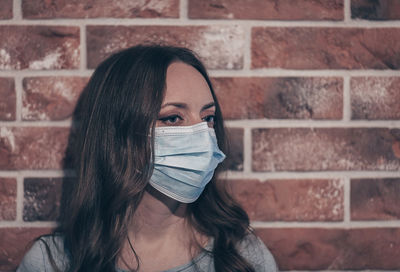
(345, 163)
(338, 186)
(8, 135)
(5, 61)
(115, 45)
(29, 113)
(225, 42)
(157, 5)
(75, 52)
(374, 94)
(323, 197)
(52, 60)
(64, 90)
(376, 90)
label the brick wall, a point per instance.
(310, 89)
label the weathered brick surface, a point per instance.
(221, 47)
(291, 116)
(8, 99)
(280, 98)
(334, 249)
(375, 10)
(266, 9)
(39, 47)
(14, 242)
(8, 195)
(32, 147)
(234, 158)
(38, 9)
(375, 199)
(375, 98)
(50, 98)
(314, 149)
(290, 200)
(325, 48)
(42, 198)
(6, 10)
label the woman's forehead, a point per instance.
(185, 84)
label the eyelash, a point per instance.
(209, 116)
(168, 119)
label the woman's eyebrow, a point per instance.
(207, 106)
(175, 104)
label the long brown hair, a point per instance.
(112, 154)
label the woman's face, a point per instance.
(188, 98)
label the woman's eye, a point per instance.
(209, 119)
(171, 120)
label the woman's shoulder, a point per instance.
(38, 258)
(257, 254)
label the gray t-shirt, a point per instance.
(251, 248)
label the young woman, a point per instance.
(149, 139)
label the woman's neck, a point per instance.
(158, 230)
(157, 216)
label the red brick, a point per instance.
(266, 9)
(234, 156)
(8, 99)
(325, 48)
(375, 199)
(317, 149)
(39, 9)
(8, 195)
(334, 249)
(39, 47)
(375, 10)
(220, 47)
(280, 98)
(32, 147)
(50, 98)
(290, 200)
(6, 11)
(14, 242)
(375, 98)
(42, 199)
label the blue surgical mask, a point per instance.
(185, 158)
